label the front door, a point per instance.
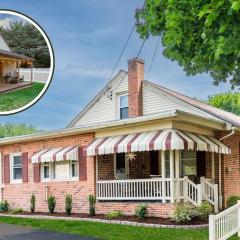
(121, 166)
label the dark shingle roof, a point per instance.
(14, 55)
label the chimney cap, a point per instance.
(136, 60)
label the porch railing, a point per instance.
(225, 224)
(134, 189)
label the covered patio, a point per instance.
(10, 63)
(165, 165)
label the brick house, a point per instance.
(134, 142)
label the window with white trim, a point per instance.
(16, 167)
(123, 106)
(59, 171)
(188, 163)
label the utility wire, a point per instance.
(140, 50)
(119, 58)
(153, 57)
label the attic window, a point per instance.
(123, 106)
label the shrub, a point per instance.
(204, 210)
(232, 200)
(92, 201)
(32, 203)
(114, 214)
(68, 204)
(4, 206)
(51, 204)
(183, 212)
(142, 211)
(16, 211)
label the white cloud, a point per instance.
(5, 22)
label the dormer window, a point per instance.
(123, 106)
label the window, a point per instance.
(74, 169)
(121, 166)
(123, 106)
(16, 167)
(46, 171)
(59, 171)
(188, 163)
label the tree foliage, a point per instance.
(201, 35)
(16, 129)
(24, 38)
(227, 101)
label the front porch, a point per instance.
(164, 166)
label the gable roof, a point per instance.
(121, 75)
(221, 114)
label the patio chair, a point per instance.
(15, 78)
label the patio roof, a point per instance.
(167, 139)
(16, 56)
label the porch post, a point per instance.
(31, 72)
(177, 172)
(96, 175)
(213, 168)
(172, 189)
(220, 180)
(163, 176)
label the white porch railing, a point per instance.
(134, 189)
(210, 193)
(225, 224)
(158, 189)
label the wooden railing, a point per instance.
(225, 224)
(158, 189)
(134, 189)
(210, 193)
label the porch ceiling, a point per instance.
(167, 139)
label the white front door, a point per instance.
(121, 166)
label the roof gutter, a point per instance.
(229, 135)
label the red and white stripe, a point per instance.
(56, 154)
(167, 139)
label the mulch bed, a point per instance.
(151, 220)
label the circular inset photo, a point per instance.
(26, 62)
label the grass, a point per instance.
(109, 231)
(19, 98)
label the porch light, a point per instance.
(131, 156)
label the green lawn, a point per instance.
(110, 231)
(16, 99)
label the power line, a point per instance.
(119, 58)
(140, 50)
(153, 57)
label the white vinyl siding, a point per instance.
(155, 101)
(106, 108)
(3, 44)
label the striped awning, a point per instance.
(56, 154)
(167, 139)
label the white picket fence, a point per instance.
(225, 224)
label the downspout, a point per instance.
(220, 166)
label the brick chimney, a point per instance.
(135, 79)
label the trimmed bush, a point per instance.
(68, 204)
(16, 211)
(51, 204)
(142, 211)
(114, 214)
(204, 210)
(232, 200)
(32, 203)
(92, 201)
(4, 206)
(183, 212)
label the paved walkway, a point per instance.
(14, 232)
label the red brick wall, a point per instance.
(19, 195)
(138, 167)
(231, 179)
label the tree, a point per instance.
(201, 35)
(24, 38)
(227, 101)
(16, 129)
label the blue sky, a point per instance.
(87, 37)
